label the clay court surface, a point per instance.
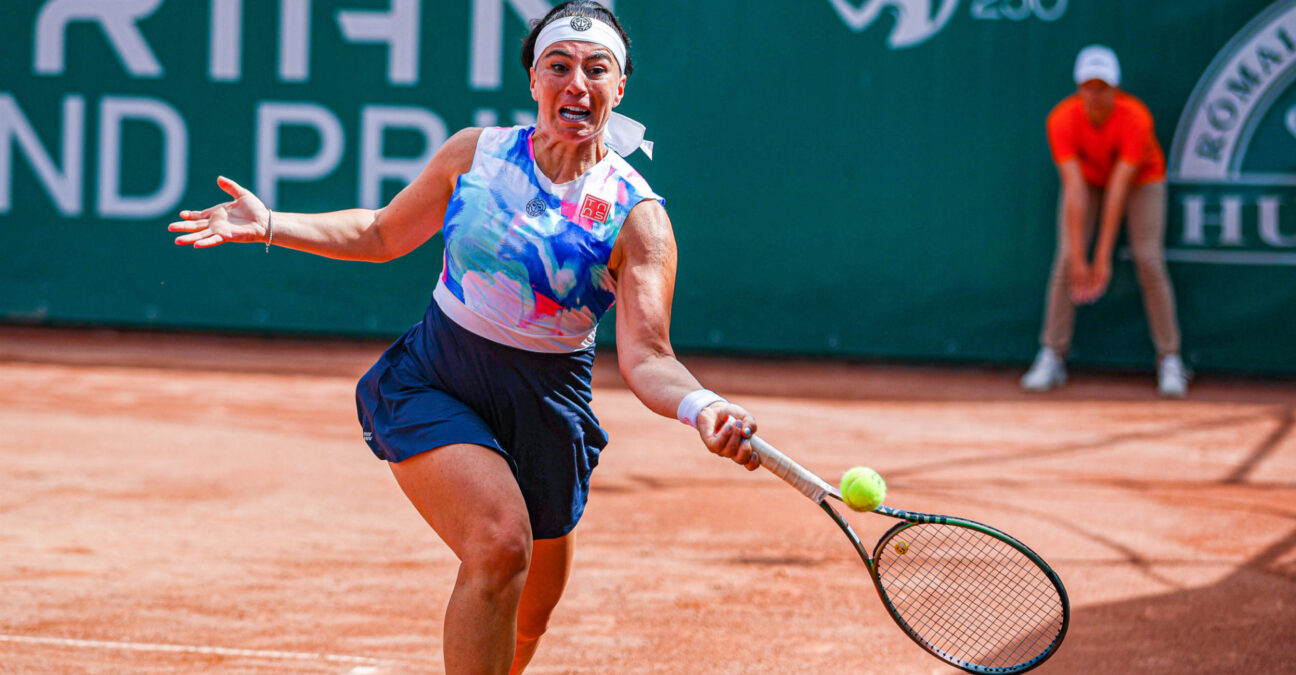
(181, 503)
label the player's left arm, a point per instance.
(1113, 212)
(643, 262)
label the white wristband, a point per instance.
(693, 404)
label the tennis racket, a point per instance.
(972, 596)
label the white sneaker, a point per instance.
(1046, 373)
(1172, 377)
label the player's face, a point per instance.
(576, 84)
(1098, 98)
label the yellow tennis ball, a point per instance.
(862, 488)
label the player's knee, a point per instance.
(497, 561)
(1147, 258)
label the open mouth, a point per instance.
(574, 113)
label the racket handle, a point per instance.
(799, 477)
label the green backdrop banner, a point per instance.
(864, 178)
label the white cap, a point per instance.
(1097, 62)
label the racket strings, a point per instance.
(983, 631)
(969, 595)
(965, 600)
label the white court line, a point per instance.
(194, 649)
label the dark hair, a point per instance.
(586, 8)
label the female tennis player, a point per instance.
(482, 409)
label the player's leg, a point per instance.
(1049, 368)
(1146, 231)
(1146, 228)
(468, 494)
(1059, 314)
(551, 561)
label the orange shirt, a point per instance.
(1126, 135)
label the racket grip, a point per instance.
(799, 477)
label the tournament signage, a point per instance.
(83, 179)
(917, 21)
(123, 40)
(872, 176)
(1233, 161)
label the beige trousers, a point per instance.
(1145, 217)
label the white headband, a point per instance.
(581, 29)
(623, 134)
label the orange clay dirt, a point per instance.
(185, 503)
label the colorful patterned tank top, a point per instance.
(525, 259)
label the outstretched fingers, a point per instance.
(196, 221)
(228, 221)
(231, 188)
(198, 229)
(204, 238)
(205, 213)
(212, 239)
(187, 225)
(194, 237)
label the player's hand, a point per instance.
(1092, 284)
(1078, 281)
(1099, 278)
(726, 428)
(245, 219)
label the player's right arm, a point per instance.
(643, 262)
(376, 235)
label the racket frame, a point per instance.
(819, 490)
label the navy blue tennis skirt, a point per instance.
(441, 384)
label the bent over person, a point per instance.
(1112, 169)
(482, 409)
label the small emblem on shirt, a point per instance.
(535, 207)
(580, 23)
(595, 209)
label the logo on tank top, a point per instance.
(1232, 181)
(595, 209)
(535, 207)
(580, 23)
